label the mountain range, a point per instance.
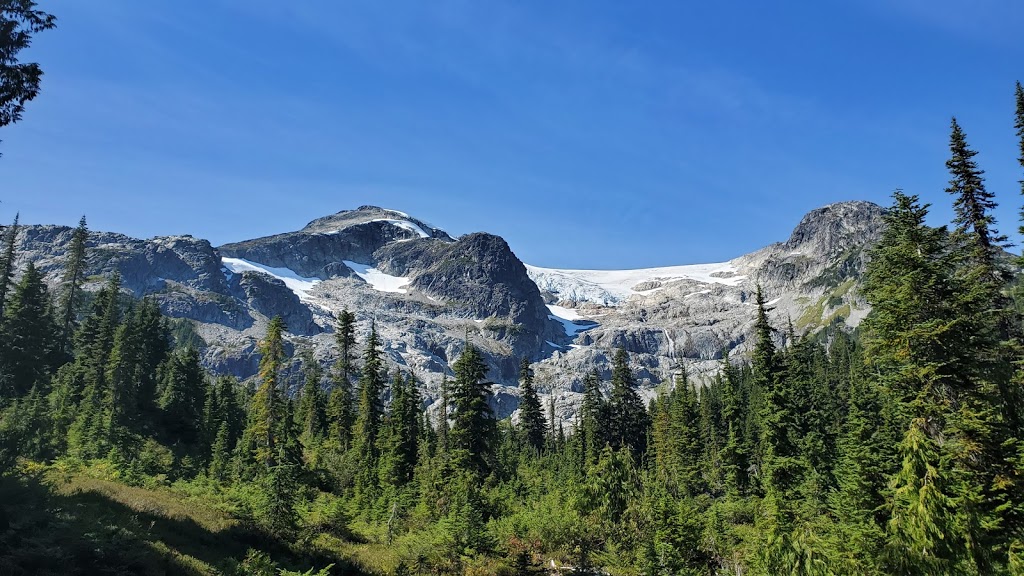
(428, 293)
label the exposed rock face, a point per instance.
(687, 316)
(428, 293)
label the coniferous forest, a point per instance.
(895, 448)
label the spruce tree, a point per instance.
(628, 419)
(74, 275)
(7, 262)
(340, 408)
(29, 348)
(973, 205)
(311, 410)
(531, 418)
(258, 447)
(371, 410)
(592, 417)
(19, 81)
(182, 397)
(472, 439)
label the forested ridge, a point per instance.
(897, 448)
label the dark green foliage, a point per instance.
(531, 419)
(29, 345)
(895, 449)
(74, 274)
(341, 405)
(19, 81)
(627, 418)
(472, 437)
(7, 262)
(370, 416)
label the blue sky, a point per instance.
(589, 134)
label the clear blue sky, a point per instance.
(588, 133)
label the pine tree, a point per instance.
(182, 396)
(735, 452)
(258, 450)
(341, 409)
(867, 456)
(368, 421)
(220, 458)
(592, 417)
(311, 411)
(973, 205)
(918, 345)
(74, 275)
(29, 348)
(628, 420)
(401, 434)
(531, 418)
(7, 262)
(124, 370)
(472, 439)
(19, 81)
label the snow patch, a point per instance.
(378, 280)
(405, 225)
(612, 287)
(571, 328)
(297, 284)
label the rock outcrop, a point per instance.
(428, 293)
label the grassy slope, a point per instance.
(64, 522)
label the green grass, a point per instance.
(67, 521)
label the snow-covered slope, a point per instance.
(297, 284)
(612, 287)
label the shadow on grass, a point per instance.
(86, 531)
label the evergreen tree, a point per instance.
(311, 411)
(19, 81)
(340, 408)
(973, 205)
(220, 453)
(472, 439)
(258, 450)
(401, 435)
(627, 418)
(371, 410)
(592, 417)
(74, 275)
(29, 348)
(7, 262)
(531, 419)
(182, 396)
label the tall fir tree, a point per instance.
(627, 417)
(371, 412)
(258, 449)
(29, 349)
(472, 439)
(74, 275)
(311, 412)
(531, 418)
(592, 417)
(7, 261)
(341, 404)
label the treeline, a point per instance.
(893, 450)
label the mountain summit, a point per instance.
(427, 293)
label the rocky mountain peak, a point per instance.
(367, 214)
(833, 229)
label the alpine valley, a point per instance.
(428, 293)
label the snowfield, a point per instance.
(405, 225)
(297, 284)
(612, 287)
(378, 280)
(567, 317)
